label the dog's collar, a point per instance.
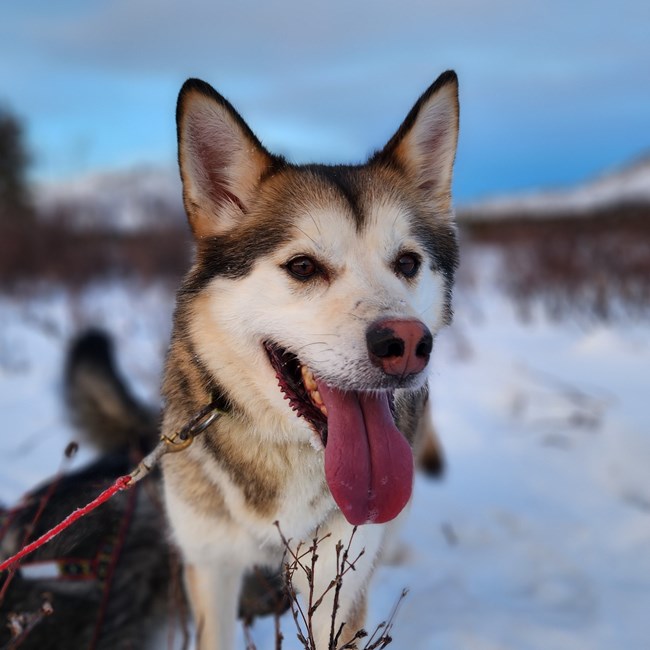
(183, 438)
(198, 423)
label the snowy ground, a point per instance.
(539, 537)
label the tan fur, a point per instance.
(356, 619)
(200, 492)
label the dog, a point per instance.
(308, 316)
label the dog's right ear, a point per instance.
(221, 160)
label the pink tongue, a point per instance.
(368, 463)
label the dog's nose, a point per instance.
(399, 347)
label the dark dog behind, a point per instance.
(107, 576)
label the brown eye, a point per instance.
(407, 264)
(302, 267)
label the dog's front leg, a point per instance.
(352, 595)
(213, 590)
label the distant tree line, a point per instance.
(47, 248)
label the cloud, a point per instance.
(336, 78)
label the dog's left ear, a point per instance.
(221, 160)
(424, 146)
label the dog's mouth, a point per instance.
(299, 387)
(368, 462)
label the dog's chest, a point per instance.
(264, 482)
(305, 500)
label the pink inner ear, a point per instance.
(432, 157)
(211, 154)
(434, 140)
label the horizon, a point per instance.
(550, 96)
(485, 200)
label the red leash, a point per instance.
(121, 483)
(177, 442)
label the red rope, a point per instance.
(122, 483)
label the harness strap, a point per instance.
(110, 572)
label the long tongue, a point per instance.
(368, 463)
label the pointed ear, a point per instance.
(424, 146)
(221, 160)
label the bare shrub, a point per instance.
(303, 559)
(51, 251)
(589, 267)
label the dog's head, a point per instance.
(317, 290)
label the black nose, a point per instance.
(399, 347)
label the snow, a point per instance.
(627, 186)
(539, 536)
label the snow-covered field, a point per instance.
(538, 538)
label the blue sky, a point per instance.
(551, 93)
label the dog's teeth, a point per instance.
(308, 378)
(310, 384)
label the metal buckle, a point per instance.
(183, 438)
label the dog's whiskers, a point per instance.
(427, 308)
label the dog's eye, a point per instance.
(407, 264)
(302, 267)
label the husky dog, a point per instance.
(309, 314)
